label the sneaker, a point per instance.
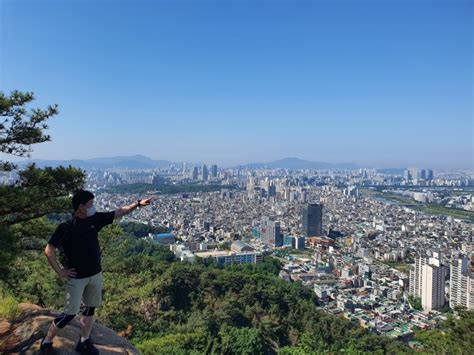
(46, 348)
(86, 347)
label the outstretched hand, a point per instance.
(145, 202)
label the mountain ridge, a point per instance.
(143, 162)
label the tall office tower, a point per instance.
(423, 174)
(427, 282)
(312, 220)
(205, 173)
(414, 173)
(184, 168)
(429, 174)
(214, 171)
(298, 242)
(303, 196)
(270, 232)
(459, 282)
(195, 173)
(271, 190)
(406, 175)
(250, 184)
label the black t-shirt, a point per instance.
(79, 243)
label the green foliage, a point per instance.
(183, 308)
(188, 343)
(39, 192)
(268, 265)
(415, 302)
(9, 249)
(9, 309)
(449, 211)
(296, 350)
(33, 234)
(241, 340)
(241, 309)
(187, 308)
(19, 127)
(32, 279)
(446, 309)
(429, 208)
(141, 230)
(25, 271)
(456, 336)
(118, 246)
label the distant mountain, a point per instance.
(296, 163)
(132, 162)
(143, 162)
(135, 161)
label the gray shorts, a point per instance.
(89, 289)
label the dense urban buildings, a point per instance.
(312, 220)
(386, 250)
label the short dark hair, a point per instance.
(81, 197)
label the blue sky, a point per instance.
(380, 83)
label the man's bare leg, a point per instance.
(60, 322)
(86, 323)
(52, 331)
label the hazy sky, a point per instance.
(382, 83)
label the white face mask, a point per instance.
(91, 211)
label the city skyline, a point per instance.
(383, 85)
(291, 163)
(239, 176)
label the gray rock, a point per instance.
(23, 335)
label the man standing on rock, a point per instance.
(78, 241)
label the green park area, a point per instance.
(428, 208)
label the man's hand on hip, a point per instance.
(65, 273)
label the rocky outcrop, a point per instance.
(24, 334)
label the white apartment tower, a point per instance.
(458, 282)
(427, 279)
(461, 283)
